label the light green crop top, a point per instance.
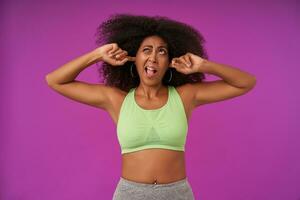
(165, 127)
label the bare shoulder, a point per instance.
(117, 93)
(117, 97)
(186, 95)
(185, 91)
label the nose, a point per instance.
(152, 57)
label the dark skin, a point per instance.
(163, 165)
(154, 51)
(150, 165)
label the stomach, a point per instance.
(154, 166)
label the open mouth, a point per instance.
(150, 72)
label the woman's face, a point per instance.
(152, 59)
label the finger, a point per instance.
(180, 62)
(175, 62)
(117, 52)
(131, 58)
(121, 55)
(114, 48)
(113, 55)
(123, 61)
(111, 48)
(188, 60)
(172, 64)
(179, 67)
(112, 52)
(183, 60)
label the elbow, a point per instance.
(252, 83)
(48, 80)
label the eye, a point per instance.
(146, 49)
(163, 50)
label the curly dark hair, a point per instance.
(129, 31)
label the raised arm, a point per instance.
(235, 82)
(62, 80)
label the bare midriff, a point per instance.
(154, 166)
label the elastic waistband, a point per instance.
(176, 183)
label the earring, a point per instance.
(170, 76)
(131, 70)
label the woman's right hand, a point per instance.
(113, 54)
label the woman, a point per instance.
(153, 67)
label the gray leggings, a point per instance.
(130, 190)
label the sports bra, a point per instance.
(165, 127)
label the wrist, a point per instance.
(96, 55)
(206, 66)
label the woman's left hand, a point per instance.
(188, 63)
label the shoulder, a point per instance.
(116, 97)
(117, 93)
(185, 92)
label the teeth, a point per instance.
(149, 68)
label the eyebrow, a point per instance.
(158, 46)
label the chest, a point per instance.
(114, 110)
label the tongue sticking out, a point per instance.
(150, 73)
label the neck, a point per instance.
(151, 91)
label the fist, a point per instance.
(188, 63)
(113, 54)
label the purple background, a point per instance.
(244, 148)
